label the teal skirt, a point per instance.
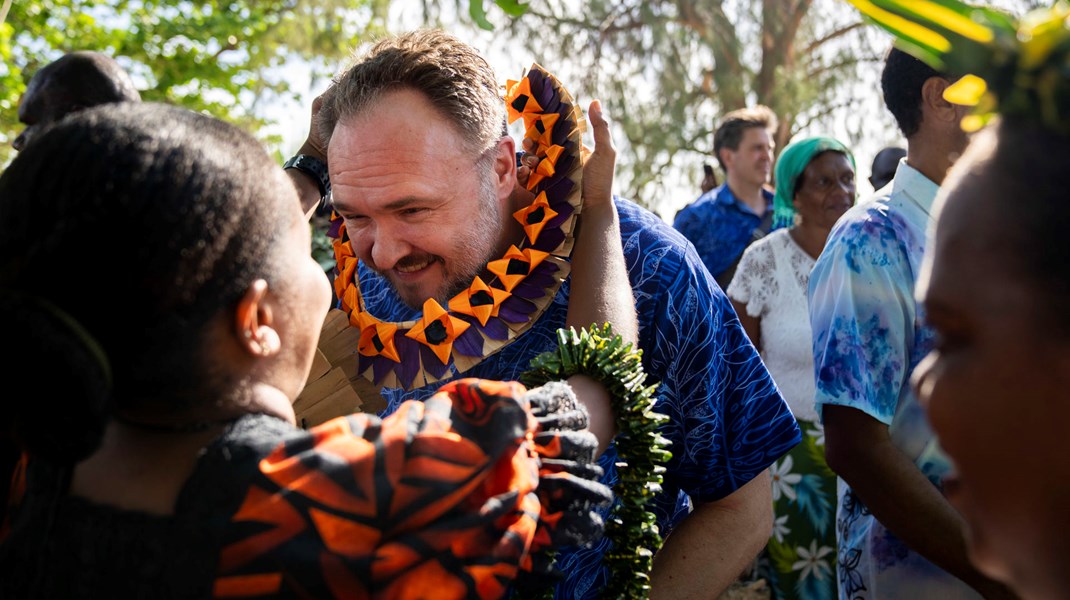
(800, 559)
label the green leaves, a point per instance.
(220, 58)
(478, 11)
(1022, 63)
(947, 34)
(641, 450)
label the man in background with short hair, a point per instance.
(725, 220)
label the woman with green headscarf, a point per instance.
(815, 184)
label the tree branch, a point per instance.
(3, 11)
(854, 60)
(831, 36)
(821, 114)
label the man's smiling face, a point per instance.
(421, 208)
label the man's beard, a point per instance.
(473, 248)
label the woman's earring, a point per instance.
(797, 219)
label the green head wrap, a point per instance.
(790, 165)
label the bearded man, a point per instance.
(424, 176)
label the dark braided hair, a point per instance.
(141, 223)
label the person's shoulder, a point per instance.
(637, 220)
(775, 240)
(704, 206)
(871, 235)
(864, 218)
(644, 233)
(662, 263)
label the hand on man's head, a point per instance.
(598, 167)
(315, 145)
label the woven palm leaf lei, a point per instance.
(641, 450)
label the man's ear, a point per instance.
(934, 104)
(726, 156)
(253, 322)
(504, 167)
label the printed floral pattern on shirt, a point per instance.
(869, 335)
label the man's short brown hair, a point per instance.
(451, 74)
(730, 132)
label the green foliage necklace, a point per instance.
(641, 451)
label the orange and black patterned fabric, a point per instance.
(454, 497)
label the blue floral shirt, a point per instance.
(869, 335)
(727, 419)
(721, 227)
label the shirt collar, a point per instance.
(723, 195)
(916, 186)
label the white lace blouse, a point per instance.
(771, 282)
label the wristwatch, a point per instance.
(314, 168)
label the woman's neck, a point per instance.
(138, 469)
(146, 458)
(810, 239)
(255, 398)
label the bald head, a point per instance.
(77, 80)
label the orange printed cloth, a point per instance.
(453, 497)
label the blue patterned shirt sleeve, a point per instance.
(728, 421)
(862, 312)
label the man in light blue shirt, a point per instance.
(897, 535)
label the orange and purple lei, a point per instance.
(487, 316)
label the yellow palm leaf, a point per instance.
(1039, 32)
(919, 34)
(949, 19)
(967, 91)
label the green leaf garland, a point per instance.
(641, 450)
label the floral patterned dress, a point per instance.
(800, 558)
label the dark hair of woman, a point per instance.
(1012, 157)
(118, 243)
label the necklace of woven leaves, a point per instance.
(641, 451)
(488, 315)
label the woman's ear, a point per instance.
(254, 327)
